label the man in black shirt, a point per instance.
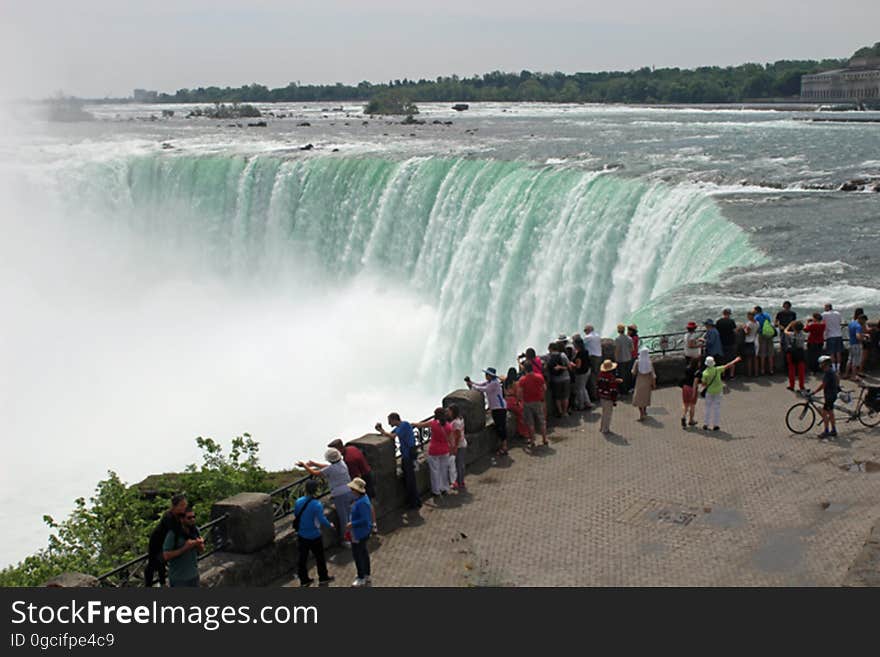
(783, 318)
(170, 522)
(727, 331)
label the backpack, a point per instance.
(605, 389)
(767, 329)
(297, 516)
(554, 361)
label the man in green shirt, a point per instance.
(181, 551)
(714, 386)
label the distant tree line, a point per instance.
(868, 51)
(707, 84)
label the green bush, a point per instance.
(115, 524)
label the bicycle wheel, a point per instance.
(800, 418)
(867, 415)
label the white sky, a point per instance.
(108, 47)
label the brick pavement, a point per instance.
(651, 505)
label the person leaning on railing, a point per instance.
(336, 474)
(403, 431)
(357, 466)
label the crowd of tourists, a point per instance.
(581, 374)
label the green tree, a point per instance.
(113, 526)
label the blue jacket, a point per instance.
(713, 342)
(312, 517)
(405, 437)
(361, 518)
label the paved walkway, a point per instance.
(651, 505)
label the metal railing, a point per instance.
(284, 497)
(663, 343)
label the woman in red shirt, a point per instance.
(438, 451)
(815, 329)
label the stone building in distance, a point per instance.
(858, 83)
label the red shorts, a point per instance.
(688, 395)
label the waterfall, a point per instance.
(509, 252)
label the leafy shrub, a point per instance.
(115, 524)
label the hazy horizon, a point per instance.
(98, 48)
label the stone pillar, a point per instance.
(72, 580)
(379, 452)
(472, 406)
(251, 522)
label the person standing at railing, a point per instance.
(633, 332)
(558, 367)
(181, 551)
(336, 474)
(796, 353)
(623, 346)
(494, 393)
(513, 399)
(856, 331)
(750, 343)
(693, 345)
(593, 343)
(406, 441)
(308, 513)
(726, 327)
(438, 452)
(784, 318)
(532, 390)
(581, 375)
(357, 466)
(815, 329)
(458, 444)
(766, 333)
(170, 521)
(712, 341)
(833, 336)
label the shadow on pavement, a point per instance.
(615, 439)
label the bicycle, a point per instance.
(801, 417)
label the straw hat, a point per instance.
(608, 365)
(333, 455)
(359, 485)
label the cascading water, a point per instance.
(510, 253)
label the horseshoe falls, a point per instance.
(508, 254)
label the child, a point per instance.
(689, 385)
(458, 445)
(830, 387)
(607, 385)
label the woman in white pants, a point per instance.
(713, 386)
(438, 452)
